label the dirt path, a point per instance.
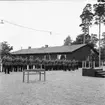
(61, 88)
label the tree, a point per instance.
(67, 41)
(94, 40)
(103, 46)
(103, 40)
(91, 40)
(101, 0)
(80, 39)
(86, 17)
(5, 49)
(99, 12)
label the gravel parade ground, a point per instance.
(60, 88)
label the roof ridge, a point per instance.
(50, 49)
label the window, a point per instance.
(58, 56)
(48, 57)
(61, 56)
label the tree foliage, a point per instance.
(101, 0)
(94, 40)
(91, 40)
(80, 38)
(103, 40)
(86, 17)
(5, 49)
(67, 41)
(103, 46)
(99, 11)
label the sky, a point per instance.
(60, 17)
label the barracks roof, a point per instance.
(56, 49)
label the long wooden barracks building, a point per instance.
(78, 52)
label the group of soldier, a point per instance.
(62, 65)
(19, 64)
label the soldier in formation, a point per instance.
(21, 63)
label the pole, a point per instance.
(84, 39)
(84, 33)
(1, 66)
(88, 29)
(99, 42)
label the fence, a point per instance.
(88, 64)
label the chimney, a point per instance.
(46, 46)
(29, 47)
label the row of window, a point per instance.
(59, 56)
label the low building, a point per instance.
(78, 52)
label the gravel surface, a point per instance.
(60, 88)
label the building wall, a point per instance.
(34, 56)
(47, 56)
(53, 56)
(80, 54)
(40, 56)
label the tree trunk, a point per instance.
(99, 42)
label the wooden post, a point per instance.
(23, 75)
(22, 69)
(44, 75)
(33, 66)
(89, 64)
(27, 67)
(40, 76)
(102, 63)
(41, 66)
(1, 67)
(12, 69)
(82, 64)
(94, 64)
(28, 77)
(85, 64)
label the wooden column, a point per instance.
(40, 76)
(89, 64)
(28, 77)
(94, 64)
(1, 67)
(85, 64)
(33, 66)
(41, 66)
(82, 64)
(27, 67)
(102, 63)
(23, 75)
(44, 75)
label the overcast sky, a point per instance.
(61, 17)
